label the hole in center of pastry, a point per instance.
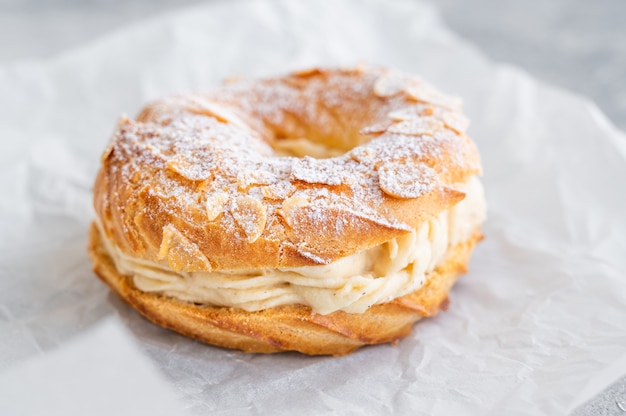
(301, 147)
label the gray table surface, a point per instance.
(578, 45)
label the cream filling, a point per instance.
(352, 284)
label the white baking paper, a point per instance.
(537, 326)
(102, 372)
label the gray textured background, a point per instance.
(579, 45)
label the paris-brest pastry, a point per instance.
(315, 212)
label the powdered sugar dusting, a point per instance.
(202, 162)
(406, 180)
(278, 191)
(254, 176)
(417, 126)
(324, 171)
(188, 168)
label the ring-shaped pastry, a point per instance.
(316, 212)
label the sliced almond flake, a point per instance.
(390, 83)
(313, 257)
(403, 114)
(251, 215)
(252, 176)
(215, 204)
(406, 180)
(181, 253)
(188, 169)
(417, 126)
(411, 113)
(213, 109)
(278, 191)
(378, 128)
(290, 205)
(107, 150)
(456, 121)
(420, 91)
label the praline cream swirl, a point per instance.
(351, 284)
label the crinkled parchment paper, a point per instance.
(538, 324)
(101, 372)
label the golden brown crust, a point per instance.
(288, 328)
(193, 182)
